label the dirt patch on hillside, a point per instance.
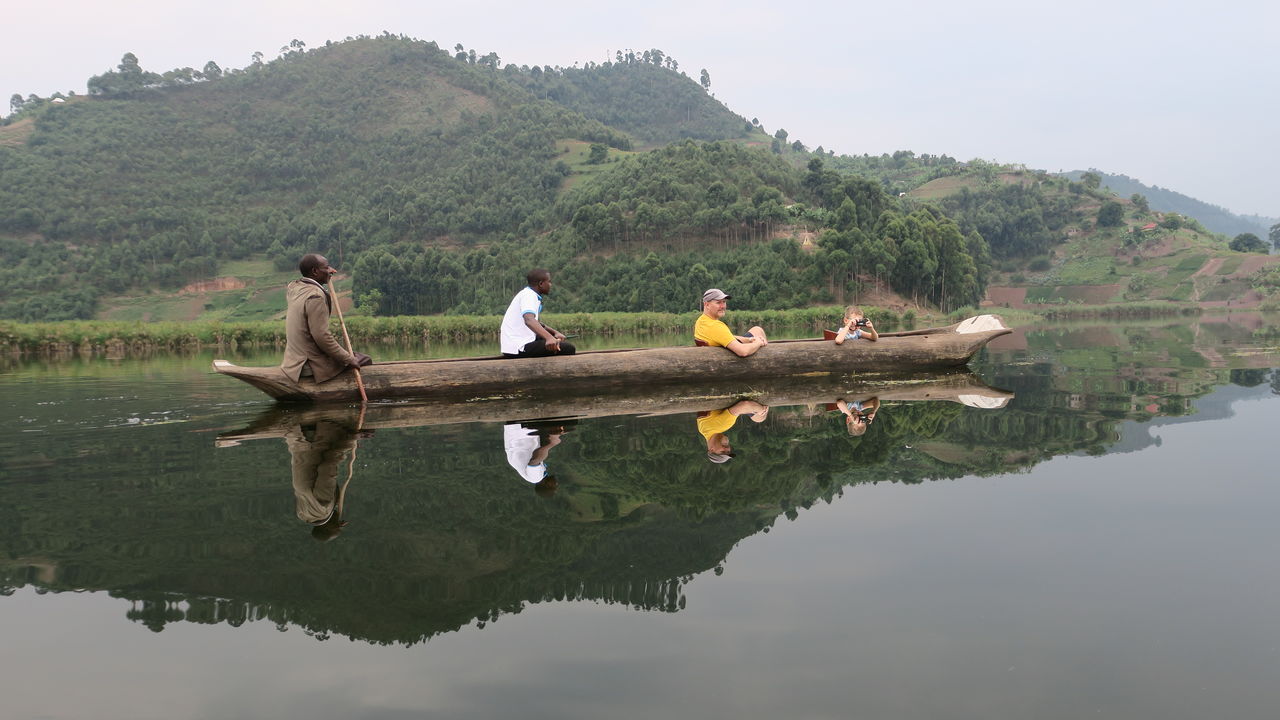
(1016, 297)
(1010, 297)
(873, 294)
(1155, 247)
(214, 285)
(1090, 294)
(942, 187)
(1017, 178)
(17, 133)
(1253, 264)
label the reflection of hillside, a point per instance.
(1096, 379)
(425, 553)
(443, 534)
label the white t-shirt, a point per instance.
(521, 443)
(515, 334)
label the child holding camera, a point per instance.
(856, 325)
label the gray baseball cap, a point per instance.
(714, 294)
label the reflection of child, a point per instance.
(858, 415)
(856, 325)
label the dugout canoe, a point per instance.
(955, 385)
(593, 371)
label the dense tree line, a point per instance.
(1017, 220)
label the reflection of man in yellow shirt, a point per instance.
(713, 426)
(710, 329)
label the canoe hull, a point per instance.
(958, 386)
(611, 369)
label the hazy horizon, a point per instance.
(1165, 93)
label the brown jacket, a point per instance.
(307, 336)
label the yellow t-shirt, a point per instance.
(716, 421)
(712, 332)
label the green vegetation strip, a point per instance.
(1191, 264)
(91, 336)
(1230, 265)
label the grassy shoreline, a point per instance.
(111, 337)
(91, 336)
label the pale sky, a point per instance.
(1184, 95)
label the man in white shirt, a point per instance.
(523, 335)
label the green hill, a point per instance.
(1061, 242)
(1216, 219)
(437, 178)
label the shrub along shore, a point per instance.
(88, 336)
(91, 336)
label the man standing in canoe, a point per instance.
(523, 335)
(711, 330)
(310, 349)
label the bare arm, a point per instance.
(559, 335)
(743, 349)
(757, 411)
(749, 344)
(539, 456)
(547, 334)
(842, 334)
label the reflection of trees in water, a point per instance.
(443, 535)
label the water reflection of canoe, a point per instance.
(959, 386)
(900, 352)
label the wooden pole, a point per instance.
(364, 398)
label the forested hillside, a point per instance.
(1216, 219)
(438, 178)
(655, 230)
(635, 94)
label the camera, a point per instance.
(862, 322)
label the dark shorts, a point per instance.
(538, 348)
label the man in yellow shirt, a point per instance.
(711, 330)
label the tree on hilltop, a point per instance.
(1275, 236)
(126, 78)
(1248, 242)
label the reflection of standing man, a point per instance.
(317, 451)
(527, 450)
(713, 426)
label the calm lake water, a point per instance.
(1083, 526)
